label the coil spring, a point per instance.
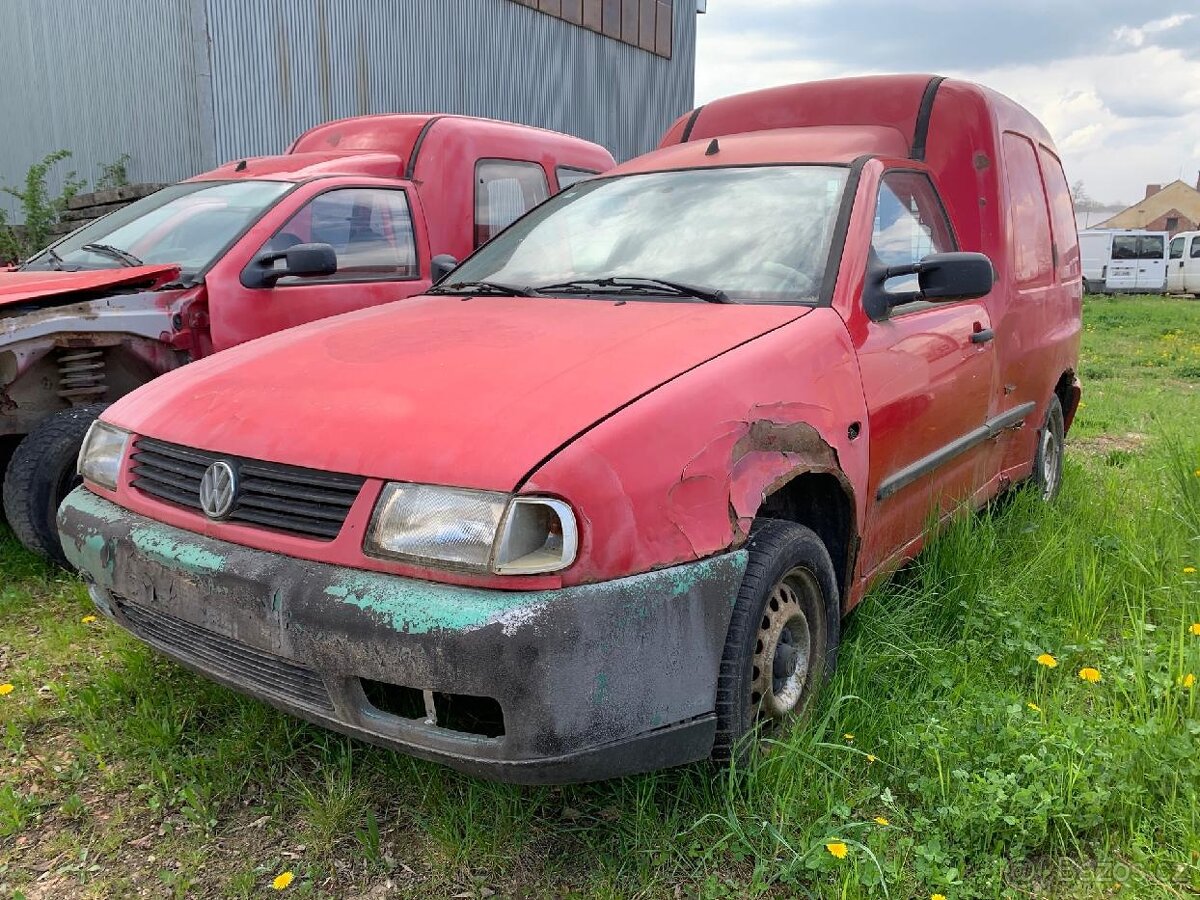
(81, 375)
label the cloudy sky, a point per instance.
(1116, 82)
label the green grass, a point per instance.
(121, 773)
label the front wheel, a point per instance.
(41, 473)
(782, 639)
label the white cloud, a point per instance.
(1122, 116)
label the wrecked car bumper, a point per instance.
(552, 686)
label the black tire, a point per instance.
(1046, 479)
(784, 558)
(41, 473)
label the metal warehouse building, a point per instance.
(183, 85)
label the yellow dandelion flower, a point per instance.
(1087, 673)
(836, 849)
(937, 897)
(87, 620)
(5, 689)
(1047, 660)
(849, 737)
(1034, 706)
(282, 880)
(871, 757)
(1197, 473)
(880, 820)
(1188, 680)
(1189, 570)
(1195, 629)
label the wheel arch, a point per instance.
(821, 499)
(1069, 391)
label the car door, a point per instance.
(1175, 265)
(1191, 268)
(1122, 270)
(374, 233)
(1152, 263)
(927, 372)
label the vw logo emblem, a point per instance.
(218, 490)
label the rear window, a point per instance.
(1177, 248)
(505, 190)
(1151, 246)
(568, 176)
(1125, 246)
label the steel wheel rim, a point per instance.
(783, 650)
(1051, 460)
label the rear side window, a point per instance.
(1177, 248)
(1151, 246)
(1195, 251)
(1062, 215)
(370, 230)
(568, 176)
(1029, 222)
(504, 191)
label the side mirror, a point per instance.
(309, 260)
(441, 266)
(940, 277)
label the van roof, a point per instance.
(903, 104)
(391, 145)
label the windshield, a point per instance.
(188, 224)
(758, 234)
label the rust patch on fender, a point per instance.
(722, 487)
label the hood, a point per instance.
(22, 287)
(440, 390)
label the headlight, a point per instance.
(477, 531)
(101, 454)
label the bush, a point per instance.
(40, 211)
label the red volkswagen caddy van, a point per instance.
(598, 502)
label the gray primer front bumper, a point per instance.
(594, 681)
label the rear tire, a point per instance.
(1048, 460)
(782, 640)
(41, 473)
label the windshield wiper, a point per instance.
(123, 257)
(633, 284)
(482, 287)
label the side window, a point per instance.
(910, 223)
(1029, 222)
(568, 176)
(1151, 247)
(1177, 248)
(1125, 246)
(1195, 251)
(504, 191)
(1062, 215)
(370, 229)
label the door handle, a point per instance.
(982, 336)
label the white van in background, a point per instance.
(1124, 261)
(1183, 264)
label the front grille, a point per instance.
(307, 502)
(222, 656)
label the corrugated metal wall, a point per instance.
(100, 79)
(281, 66)
(182, 85)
